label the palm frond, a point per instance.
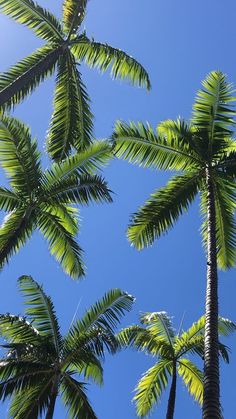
(151, 386)
(139, 144)
(103, 56)
(73, 14)
(16, 228)
(72, 121)
(29, 13)
(17, 329)
(19, 156)
(41, 310)
(212, 110)
(87, 161)
(22, 78)
(163, 209)
(68, 216)
(192, 377)
(61, 243)
(90, 368)
(9, 200)
(81, 190)
(75, 399)
(227, 163)
(160, 325)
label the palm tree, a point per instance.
(66, 46)
(158, 339)
(40, 363)
(44, 200)
(204, 151)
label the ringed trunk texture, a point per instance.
(172, 396)
(211, 392)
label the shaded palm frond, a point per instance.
(73, 14)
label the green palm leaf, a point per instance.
(139, 144)
(21, 79)
(19, 330)
(41, 310)
(9, 200)
(73, 14)
(75, 399)
(29, 13)
(72, 121)
(102, 56)
(61, 243)
(151, 386)
(192, 377)
(160, 325)
(163, 209)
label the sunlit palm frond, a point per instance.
(139, 144)
(151, 386)
(73, 14)
(72, 121)
(192, 377)
(103, 56)
(160, 325)
(9, 200)
(18, 329)
(41, 310)
(163, 209)
(29, 13)
(22, 78)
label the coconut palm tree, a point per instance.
(66, 47)
(158, 338)
(44, 200)
(204, 151)
(41, 364)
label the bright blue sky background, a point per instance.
(178, 43)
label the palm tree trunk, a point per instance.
(172, 396)
(35, 71)
(211, 393)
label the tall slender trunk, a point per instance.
(211, 393)
(172, 396)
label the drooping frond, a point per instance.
(226, 326)
(139, 144)
(19, 156)
(90, 160)
(151, 386)
(72, 121)
(73, 14)
(80, 190)
(29, 13)
(61, 243)
(192, 377)
(103, 56)
(160, 325)
(163, 209)
(227, 163)
(212, 111)
(16, 228)
(68, 216)
(225, 201)
(90, 368)
(22, 78)
(41, 310)
(18, 329)
(32, 402)
(9, 200)
(75, 399)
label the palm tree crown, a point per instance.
(66, 47)
(158, 339)
(44, 199)
(204, 151)
(40, 363)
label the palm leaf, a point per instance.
(61, 243)
(140, 145)
(160, 325)
(19, 156)
(72, 121)
(41, 310)
(21, 79)
(151, 386)
(75, 399)
(103, 56)
(17, 227)
(18, 329)
(29, 13)
(73, 14)
(192, 377)
(9, 200)
(90, 367)
(163, 209)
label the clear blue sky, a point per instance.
(178, 43)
